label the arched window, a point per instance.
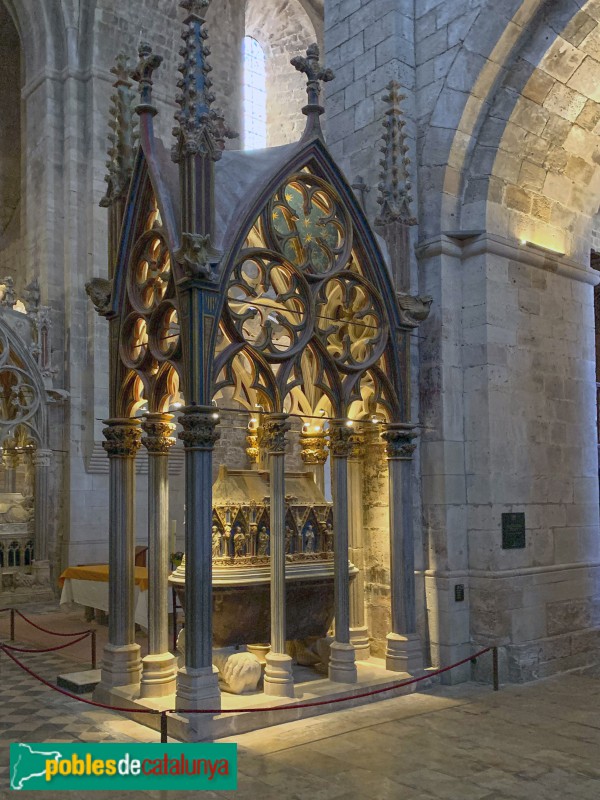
(255, 95)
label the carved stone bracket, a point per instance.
(122, 437)
(158, 429)
(99, 290)
(199, 427)
(275, 428)
(197, 256)
(398, 438)
(340, 438)
(414, 309)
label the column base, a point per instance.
(342, 666)
(279, 680)
(159, 675)
(359, 638)
(121, 665)
(403, 653)
(198, 688)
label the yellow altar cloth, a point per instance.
(99, 572)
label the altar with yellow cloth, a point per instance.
(87, 585)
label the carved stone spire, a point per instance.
(394, 188)
(148, 62)
(316, 74)
(202, 129)
(123, 135)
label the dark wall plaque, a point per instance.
(513, 531)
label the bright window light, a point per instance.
(255, 95)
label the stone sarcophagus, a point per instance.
(241, 559)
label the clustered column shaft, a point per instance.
(197, 682)
(279, 680)
(342, 666)
(403, 645)
(159, 666)
(121, 663)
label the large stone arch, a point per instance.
(507, 355)
(534, 171)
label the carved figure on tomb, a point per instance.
(329, 538)
(239, 542)
(310, 540)
(288, 540)
(216, 542)
(263, 541)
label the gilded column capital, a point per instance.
(340, 438)
(313, 446)
(158, 429)
(199, 424)
(253, 449)
(398, 438)
(122, 437)
(274, 429)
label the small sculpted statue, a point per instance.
(310, 540)
(239, 542)
(216, 542)
(288, 540)
(263, 541)
(329, 538)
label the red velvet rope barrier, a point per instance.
(46, 649)
(215, 711)
(45, 630)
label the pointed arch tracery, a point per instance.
(305, 327)
(149, 340)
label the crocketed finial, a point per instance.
(394, 187)
(316, 74)
(123, 135)
(202, 129)
(148, 62)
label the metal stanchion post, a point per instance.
(12, 624)
(164, 731)
(495, 668)
(93, 646)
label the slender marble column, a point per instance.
(359, 635)
(41, 460)
(197, 682)
(403, 652)
(313, 451)
(279, 680)
(159, 667)
(342, 666)
(121, 664)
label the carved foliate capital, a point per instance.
(274, 432)
(398, 439)
(199, 427)
(357, 444)
(122, 437)
(99, 290)
(158, 430)
(313, 447)
(253, 449)
(197, 256)
(340, 439)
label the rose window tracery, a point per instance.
(301, 322)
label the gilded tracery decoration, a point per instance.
(303, 328)
(149, 341)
